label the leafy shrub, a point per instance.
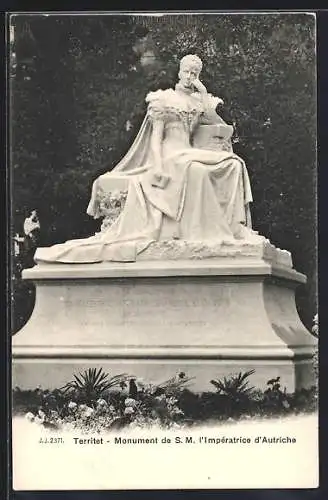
(235, 387)
(170, 404)
(232, 396)
(275, 399)
(91, 403)
(92, 384)
(157, 404)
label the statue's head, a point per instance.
(190, 68)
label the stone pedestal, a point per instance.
(208, 318)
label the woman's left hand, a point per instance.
(199, 86)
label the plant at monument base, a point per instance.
(234, 392)
(30, 400)
(72, 415)
(142, 405)
(161, 411)
(116, 409)
(153, 404)
(131, 403)
(274, 397)
(276, 401)
(304, 400)
(236, 386)
(92, 384)
(174, 385)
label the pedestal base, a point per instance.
(153, 319)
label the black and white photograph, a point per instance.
(163, 237)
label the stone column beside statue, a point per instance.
(177, 279)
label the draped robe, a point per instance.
(206, 199)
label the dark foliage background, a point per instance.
(78, 85)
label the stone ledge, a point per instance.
(210, 267)
(267, 352)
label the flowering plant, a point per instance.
(110, 205)
(167, 405)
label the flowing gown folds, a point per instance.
(206, 199)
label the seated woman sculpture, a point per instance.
(176, 190)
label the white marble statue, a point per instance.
(179, 187)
